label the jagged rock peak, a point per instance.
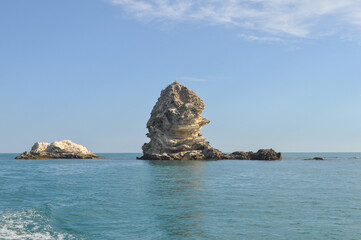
(58, 149)
(181, 100)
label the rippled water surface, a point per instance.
(124, 198)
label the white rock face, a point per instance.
(39, 147)
(66, 146)
(58, 149)
(175, 122)
(174, 127)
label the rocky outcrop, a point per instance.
(262, 154)
(174, 130)
(174, 127)
(65, 149)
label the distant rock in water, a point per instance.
(174, 130)
(262, 154)
(65, 149)
(315, 158)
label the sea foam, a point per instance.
(28, 224)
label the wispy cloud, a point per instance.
(278, 18)
(192, 79)
(260, 38)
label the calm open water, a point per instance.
(124, 198)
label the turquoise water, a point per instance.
(124, 198)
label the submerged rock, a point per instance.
(174, 130)
(61, 149)
(315, 158)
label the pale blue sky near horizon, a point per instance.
(91, 71)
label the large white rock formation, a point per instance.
(60, 149)
(174, 130)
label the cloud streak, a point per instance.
(276, 18)
(260, 38)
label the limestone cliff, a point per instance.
(61, 149)
(174, 129)
(174, 126)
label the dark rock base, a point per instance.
(214, 154)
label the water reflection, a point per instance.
(177, 197)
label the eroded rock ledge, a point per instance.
(65, 149)
(174, 130)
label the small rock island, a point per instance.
(65, 149)
(174, 130)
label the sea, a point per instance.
(123, 198)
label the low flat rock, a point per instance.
(262, 154)
(65, 149)
(315, 158)
(214, 154)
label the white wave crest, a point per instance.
(28, 224)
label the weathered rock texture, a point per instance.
(61, 149)
(174, 130)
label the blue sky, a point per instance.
(278, 73)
